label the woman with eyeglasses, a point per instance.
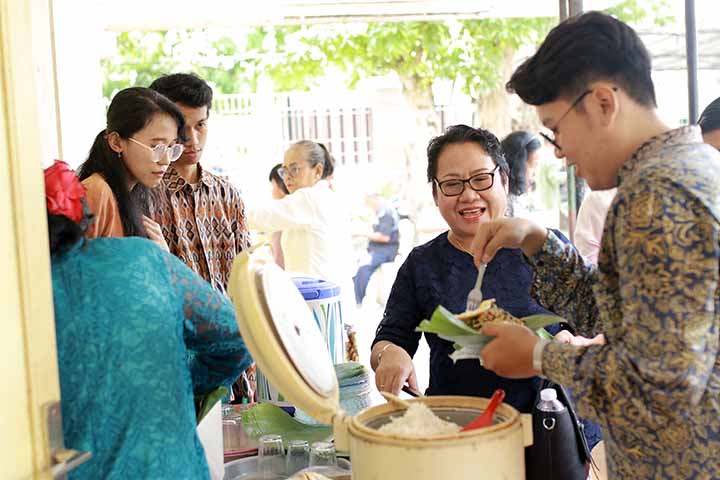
(469, 177)
(129, 157)
(313, 221)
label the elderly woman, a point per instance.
(128, 315)
(313, 222)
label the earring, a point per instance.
(120, 155)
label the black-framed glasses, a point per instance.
(159, 151)
(478, 182)
(572, 106)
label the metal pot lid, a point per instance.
(281, 334)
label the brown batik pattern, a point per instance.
(204, 225)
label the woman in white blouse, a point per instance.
(312, 218)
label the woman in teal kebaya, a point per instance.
(127, 316)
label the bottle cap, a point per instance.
(548, 394)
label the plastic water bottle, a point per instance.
(549, 401)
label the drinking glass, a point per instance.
(322, 454)
(298, 456)
(271, 456)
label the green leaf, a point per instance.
(267, 419)
(443, 322)
(467, 341)
(206, 402)
(535, 322)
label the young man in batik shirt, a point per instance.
(202, 215)
(654, 386)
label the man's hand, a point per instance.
(510, 353)
(507, 233)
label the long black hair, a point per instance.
(130, 111)
(518, 146)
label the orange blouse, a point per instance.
(104, 207)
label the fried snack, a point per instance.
(488, 312)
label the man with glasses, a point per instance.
(202, 215)
(654, 386)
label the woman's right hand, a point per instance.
(394, 370)
(154, 232)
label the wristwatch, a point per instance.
(537, 354)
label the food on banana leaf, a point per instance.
(465, 329)
(487, 312)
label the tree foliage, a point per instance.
(297, 57)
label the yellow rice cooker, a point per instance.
(283, 339)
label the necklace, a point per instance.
(456, 243)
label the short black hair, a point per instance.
(275, 177)
(582, 50)
(517, 148)
(463, 134)
(710, 117)
(185, 88)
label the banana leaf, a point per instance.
(266, 419)
(204, 403)
(467, 341)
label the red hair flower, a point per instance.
(63, 191)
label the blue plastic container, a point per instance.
(323, 298)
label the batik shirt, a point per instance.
(655, 386)
(204, 225)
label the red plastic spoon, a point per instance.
(485, 419)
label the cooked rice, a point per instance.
(419, 421)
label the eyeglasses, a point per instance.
(479, 183)
(291, 171)
(554, 129)
(159, 151)
(577, 101)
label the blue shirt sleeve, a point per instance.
(210, 330)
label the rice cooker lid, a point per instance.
(281, 334)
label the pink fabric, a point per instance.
(591, 221)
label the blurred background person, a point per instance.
(522, 153)
(383, 243)
(278, 191)
(127, 159)
(313, 218)
(710, 123)
(127, 313)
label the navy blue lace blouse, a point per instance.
(437, 273)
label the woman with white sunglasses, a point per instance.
(127, 158)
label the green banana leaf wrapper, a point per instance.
(266, 418)
(467, 341)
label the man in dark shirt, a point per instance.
(382, 246)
